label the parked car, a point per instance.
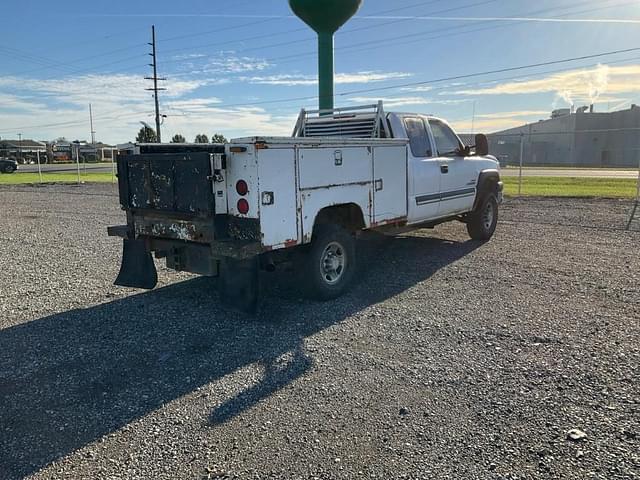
(8, 166)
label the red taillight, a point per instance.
(242, 188)
(243, 206)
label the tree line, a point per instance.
(148, 135)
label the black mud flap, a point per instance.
(137, 269)
(240, 284)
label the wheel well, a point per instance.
(349, 216)
(488, 182)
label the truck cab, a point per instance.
(257, 202)
(443, 175)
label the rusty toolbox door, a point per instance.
(168, 183)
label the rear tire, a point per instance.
(482, 222)
(327, 269)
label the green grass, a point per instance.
(531, 186)
(572, 187)
(71, 177)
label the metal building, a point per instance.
(581, 139)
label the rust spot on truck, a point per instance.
(363, 183)
(399, 222)
(290, 243)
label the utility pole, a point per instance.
(521, 163)
(19, 147)
(93, 133)
(473, 119)
(155, 79)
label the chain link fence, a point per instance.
(605, 161)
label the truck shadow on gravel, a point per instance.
(69, 379)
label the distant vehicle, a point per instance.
(229, 210)
(8, 166)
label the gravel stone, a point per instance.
(576, 435)
(496, 350)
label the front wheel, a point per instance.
(329, 266)
(482, 222)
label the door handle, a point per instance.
(444, 168)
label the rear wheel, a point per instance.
(482, 223)
(328, 267)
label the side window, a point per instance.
(446, 140)
(418, 137)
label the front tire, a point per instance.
(329, 266)
(482, 222)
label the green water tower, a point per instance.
(325, 17)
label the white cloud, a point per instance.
(232, 122)
(222, 63)
(522, 113)
(47, 108)
(15, 103)
(487, 125)
(395, 102)
(423, 88)
(340, 78)
(574, 87)
(491, 122)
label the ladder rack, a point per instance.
(367, 121)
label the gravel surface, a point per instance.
(516, 359)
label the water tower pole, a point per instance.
(326, 70)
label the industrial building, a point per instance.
(583, 138)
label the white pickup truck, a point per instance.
(231, 210)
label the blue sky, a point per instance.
(231, 66)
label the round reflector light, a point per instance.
(243, 206)
(242, 188)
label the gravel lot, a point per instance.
(450, 359)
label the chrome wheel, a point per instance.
(488, 216)
(333, 262)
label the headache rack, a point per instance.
(367, 121)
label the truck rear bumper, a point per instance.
(182, 255)
(121, 231)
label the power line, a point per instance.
(577, 132)
(387, 42)
(262, 22)
(438, 80)
(79, 122)
(349, 47)
(366, 46)
(73, 123)
(342, 32)
(65, 65)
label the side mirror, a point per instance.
(482, 145)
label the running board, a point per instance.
(138, 269)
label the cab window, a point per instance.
(418, 137)
(446, 141)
